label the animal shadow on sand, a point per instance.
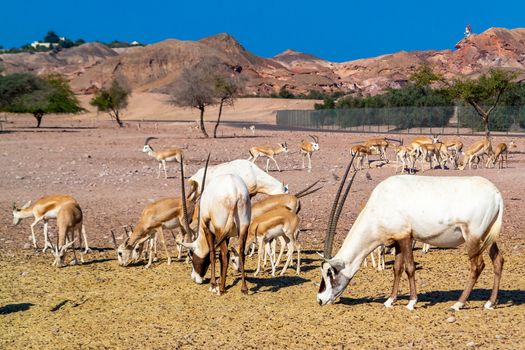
(506, 298)
(11, 308)
(274, 284)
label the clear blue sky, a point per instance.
(334, 30)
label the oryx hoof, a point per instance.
(458, 305)
(389, 302)
(411, 304)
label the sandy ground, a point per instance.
(101, 305)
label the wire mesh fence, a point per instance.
(414, 120)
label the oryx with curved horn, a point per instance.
(403, 208)
(162, 156)
(224, 212)
(307, 148)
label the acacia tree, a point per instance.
(484, 93)
(27, 93)
(227, 88)
(195, 88)
(112, 100)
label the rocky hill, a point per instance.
(154, 67)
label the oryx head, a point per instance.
(16, 212)
(333, 278)
(200, 260)
(147, 148)
(315, 143)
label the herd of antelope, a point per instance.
(217, 219)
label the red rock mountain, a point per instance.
(153, 67)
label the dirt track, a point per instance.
(101, 305)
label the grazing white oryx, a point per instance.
(268, 152)
(475, 151)
(45, 208)
(225, 212)
(307, 149)
(69, 220)
(257, 180)
(163, 156)
(402, 208)
(169, 213)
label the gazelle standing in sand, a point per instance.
(475, 151)
(69, 220)
(163, 156)
(501, 153)
(44, 208)
(361, 154)
(268, 152)
(471, 212)
(307, 149)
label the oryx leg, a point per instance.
(243, 232)
(476, 267)
(398, 269)
(224, 260)
(410, 269)
(497, 262)
(211, 244)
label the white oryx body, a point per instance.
(441, 211)
(256, 179)
(225, 212)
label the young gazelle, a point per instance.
(475, 151)
(163, 156)
(307, 148)
(361, 154)
(268, 152)
(501, 153)
(405, 156)
(278, 222)
(167, 213)
(378, 145)
(44, 208)
(69, 220)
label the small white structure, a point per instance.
(468, 30)
(36, 44)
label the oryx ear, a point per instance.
(27, 205)
(336, 264)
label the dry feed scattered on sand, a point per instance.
(101, 305)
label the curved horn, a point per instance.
(313, 138)
(114, 239)
(342, 203)
(148, 139)
(183, 197)
(14, 206)
(298, 194)
(329, 231)
(309, 193)
(202, 191)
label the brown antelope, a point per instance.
(268, 152)
(501, 153)
(69, 220)
(436, 151)
(163, 156)
(406, 156)
(277, 222)
(379, 145)
(44, 208)
(361, 153)
(475, 151)
(471, 212)
(307, 149)
(165, 213)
